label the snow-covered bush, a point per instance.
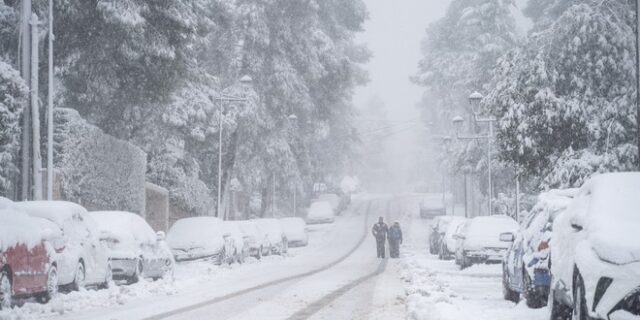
(95, 169)
(12, 94)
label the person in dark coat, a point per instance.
(379, 231)
(395, 240)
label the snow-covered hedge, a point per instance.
(12, 95)
(95, 169)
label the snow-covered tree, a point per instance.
(13, 93)
(566, 99)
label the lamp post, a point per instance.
(293, 120)
(245, 81)
(458, 121)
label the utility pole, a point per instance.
(50, 109)
(25, 60)
(37, 160)
(638, 79)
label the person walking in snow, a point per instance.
(395, 240)
(379, 231)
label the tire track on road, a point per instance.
(273, 282)
(323, 302)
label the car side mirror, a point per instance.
(160, 236)
(507, 237)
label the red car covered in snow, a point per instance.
(27, 258)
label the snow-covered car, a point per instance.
(438, 228)
(431, 206)
(448, 243)
(27, 259)
(134, 249)
(479, 240)
(84, 259)
(273, 231)
(5, 203)
(257, 242)
(337, 203)
(525, 270)
(595, 251)
(295, 229)
(320, 212)
(201, 238)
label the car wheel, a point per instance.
(135, 277)
(5, 290)
(464, 263)
(52, 285)
(107, 278)
(579, 302)
(534, 299)
(558, 310)
(441, 254)
(507, 293)
(80, 277)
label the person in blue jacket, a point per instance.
(395, 240)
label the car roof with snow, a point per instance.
(16, 227)
(55, 211)
(196, 231)
(124, 226)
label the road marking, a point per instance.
(273, 282)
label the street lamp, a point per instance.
(293, 120)
(245, 82)
(474, 100)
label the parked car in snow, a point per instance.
(84, 259)
(336, 202)
(273, 231)
(595, 251)
(525, 270)
(320, 212)
(448, 242)
(479, 240)
(431, 206)
(257, 242)
(295, 229)
(27, 259)
(438, 228)
(201, 238)
(134, 250)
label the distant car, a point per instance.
(525, 270)
(479, 240)
(201, 238)
(277, 238)
(27, 259)
(432, 206)
(134, 249)
(84, 259)
(295, 229)
(337, 203)
(438, 228)
(595, 251)
(257, 241)
(320, 212)
(448, 243)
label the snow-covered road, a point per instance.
(336, 277)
